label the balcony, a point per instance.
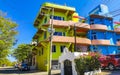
(100, 42)
(65, 39)
(57, 23)
(118, 43)
(80, 25)
(60, 23)
(117, 30)
(98, 27)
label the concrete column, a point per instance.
(73, 68)
(62, 68)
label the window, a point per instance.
(91, 21)
(42, 51)
(62, 48)
(45, 20)
(63, 33)
(58, 33)
(118, 39)
(39, 53)
(95, 47)
(53, 48)
(118, 48)
(94, 35)
(45, 34)
(57, 18)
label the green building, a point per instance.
(64, 19)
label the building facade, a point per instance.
(98, 35)
(104, 37)
(65, 24)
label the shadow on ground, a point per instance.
(10, 71)
(108, 72)
(15, 71)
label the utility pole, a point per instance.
(51, 36)
(75, 39)
(75, 48)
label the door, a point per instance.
(67, 67)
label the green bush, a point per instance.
(86, 63)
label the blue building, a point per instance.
(103, 37)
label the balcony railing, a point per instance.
(118, 43)
(98, 27)
(66, 39)
(100, 42)
(60, 23)
(80, 25)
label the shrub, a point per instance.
(86, 63)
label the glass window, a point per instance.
(42, 51)
(58, 33)
(63, 33)
(118, 39)
(91, 21)
(61, 48)
(118, 48)
(45, 35)
(57, 18)
(45, 20)
(39, 53)
(94, 35)
(53, 48)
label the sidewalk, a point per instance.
(54, 72)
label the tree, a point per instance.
(7, 35)
(22, 51)
(6, 62)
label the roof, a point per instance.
(59, 8)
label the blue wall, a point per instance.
(106, 35)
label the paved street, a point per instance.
(12, 71)
(107, 72)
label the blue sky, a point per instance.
(23, 12)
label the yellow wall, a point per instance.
(55, 55)
(75, 19)
(41, 58)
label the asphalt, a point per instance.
(12, 71)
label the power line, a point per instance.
(116, 15)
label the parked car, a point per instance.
(24, 66)
(17, 66)
(110, 61)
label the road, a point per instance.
(12, 71)
(107, 72)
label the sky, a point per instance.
(24, 12)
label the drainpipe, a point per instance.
(75, 48)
